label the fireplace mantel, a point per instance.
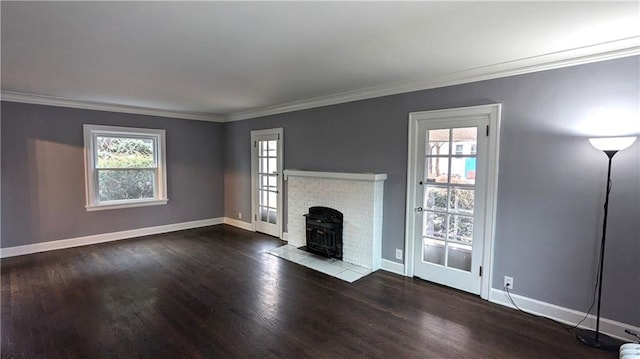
(359, 196)
(337, 175)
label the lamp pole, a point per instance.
(610, 146)
(610, 154)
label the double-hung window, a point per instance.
(125, 167)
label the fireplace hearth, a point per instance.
(324, 232)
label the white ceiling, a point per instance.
(235, 60)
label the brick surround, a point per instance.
(357, 196)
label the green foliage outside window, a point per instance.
(460, 228)
(126, 168)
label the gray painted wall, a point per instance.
(551, 181)
(43, 191)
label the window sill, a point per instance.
(128, 204)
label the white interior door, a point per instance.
(266, 181)
(448, 204)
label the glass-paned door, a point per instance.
(449, 202)
(267, 181)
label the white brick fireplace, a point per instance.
(357, 195)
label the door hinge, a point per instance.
(278, 137)
(255, 216)
(480, 271)
(487, 130)
(255, 144)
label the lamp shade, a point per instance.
(612, 143)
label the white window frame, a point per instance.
(91, 132)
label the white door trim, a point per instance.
(493, 111)
(254, 180)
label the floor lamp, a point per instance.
(610, 146)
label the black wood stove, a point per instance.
(324, 232)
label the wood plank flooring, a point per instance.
(213, 293)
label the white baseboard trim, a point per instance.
(240, 224)
(105, 237)
(393, 267)
(564, 315)
(285, 236)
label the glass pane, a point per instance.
(459, 257)
(121, 152)
(116, 185)
(272, 165)
(438, 142)
(273, 200)
(463, 170)
(460, 228)
(263, 214)
(263, 198)
(273, 146)
(266, 165)
(270, 183)
(434, 225)
(433, 251)
(436, 198)
(464, 140)
(461, 200)
(437, 169)
(263, 182)
(264, 152)
(273, 216)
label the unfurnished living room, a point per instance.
(320, 179)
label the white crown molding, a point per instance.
(99, 106)
(105, 237)
(584, 55)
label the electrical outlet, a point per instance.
(508, 282)
(239, 215)
(398, 253)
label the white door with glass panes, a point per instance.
(267, 181)
(449, 196)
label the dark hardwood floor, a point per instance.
(213, 293)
